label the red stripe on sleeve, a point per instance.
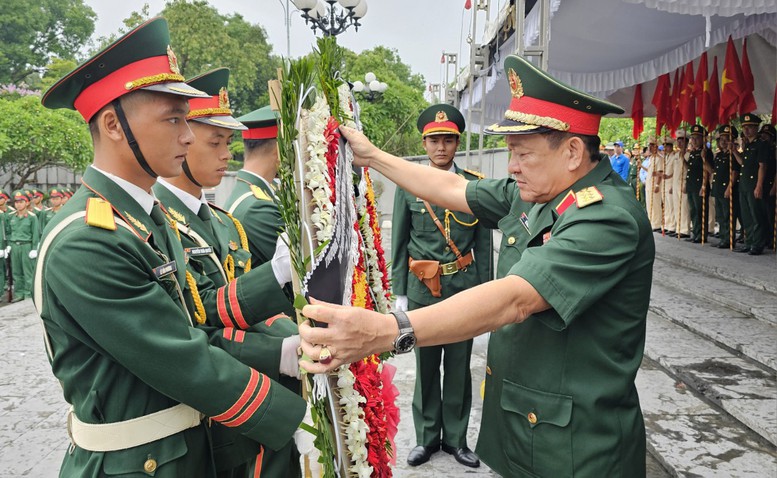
(253, 406)
(221, 306)
(235, 306)
(244, 398)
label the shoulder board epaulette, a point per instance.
(259, 193)
(99, 213)
(475, 173)
(586, 197)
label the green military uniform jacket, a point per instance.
(122, 344)
(695, 174)
(24, 229)
(721, 177)
(45, 217)
(560, 398)
(754, 153)
(414, 234)
(208, 238)
(252, 203)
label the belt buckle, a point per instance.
(449, 268)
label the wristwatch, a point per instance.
(405, 341)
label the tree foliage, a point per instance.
(34, 137)
(34, 32)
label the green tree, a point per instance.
(619, 129)
(34, 32)
(34, 137)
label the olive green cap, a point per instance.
(214, 110)
(260, 124)
(749, 118)
(140, 60)
(441, 119)
(20, 195)
(56, 192)
(727, 130)
(698, 130)
(540, 103)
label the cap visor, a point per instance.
(440, 133)
(222, 122)
(508, 126)
(177, 88)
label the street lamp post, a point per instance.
(370, 88)
(324, 15)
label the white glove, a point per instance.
(289, 359)
(7, 250)
(401, 303)
(304, 441)
(281, 263)
(2, 253)
(33, 254)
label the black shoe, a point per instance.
(689, 239)
(724, 245)
(742, 249)
(684, 236)
(463, 455)
(696, 240)
(421, 454)
(658, 229)
(756, 251)
(671, 234)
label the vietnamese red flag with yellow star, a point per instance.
(746, 99)
(731, 83)
(709, 110)
(701, 81)
(688, 108)
(637, 113)
(674, 103)
(660, 98)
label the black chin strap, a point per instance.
(133, 144)
(188, 173)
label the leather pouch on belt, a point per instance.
(429, 273)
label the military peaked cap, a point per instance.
(441, 119)
(214, 110)
(261, 124)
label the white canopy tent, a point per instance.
(607, 47)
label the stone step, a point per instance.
(744, 389)
(753, 338)
(758, 272)
(760, 304)
(690, 438)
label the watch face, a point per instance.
(405, 343)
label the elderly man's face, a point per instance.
(540, 172)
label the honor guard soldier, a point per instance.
(253, 199)
(725, 187)
(568, 318)
(654, 184)
(768, 134)
(23, 238)
(754, 160)
(5, 256)
(138, 375)
(219, 261)
(436, 254)
(699, 159)
(36, 199)
(55, 204)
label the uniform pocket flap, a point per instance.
(536, 406)
(146, 458)
(241, 257)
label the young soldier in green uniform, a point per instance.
(218, 256)
(109, 283)
(635, 163)
(253, 199)
(725, 185)
(55, 204)
(699, 160)
(754, 160)
(768, 135)
(23, 237)
(437, 253)
(36, 198)
(569, 317)
(5, 256)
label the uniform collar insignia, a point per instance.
(135, 222)
(568, 200)
(177, 215)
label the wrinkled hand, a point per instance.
(281, 262)
(33, 254)
(401, 303)
(363, 149)
(352, 333)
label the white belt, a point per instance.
(131, 433)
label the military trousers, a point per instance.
(727, 222)
(699, 213)
(754, 219)
(22, 268)
(441, 404)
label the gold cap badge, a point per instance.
(516, 87)
(173, 60)
(223, 98)
(440, 117)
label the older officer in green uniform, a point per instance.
(437, 253)
(253, 199)
(754, 160)
(725, 186)
(23, 237)
(699, 159)
(218, 256)
(109, 281)
(569, 317)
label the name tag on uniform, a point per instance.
(199, 251)
(165, 269)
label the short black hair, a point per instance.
(592, 142)
(257, 144)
